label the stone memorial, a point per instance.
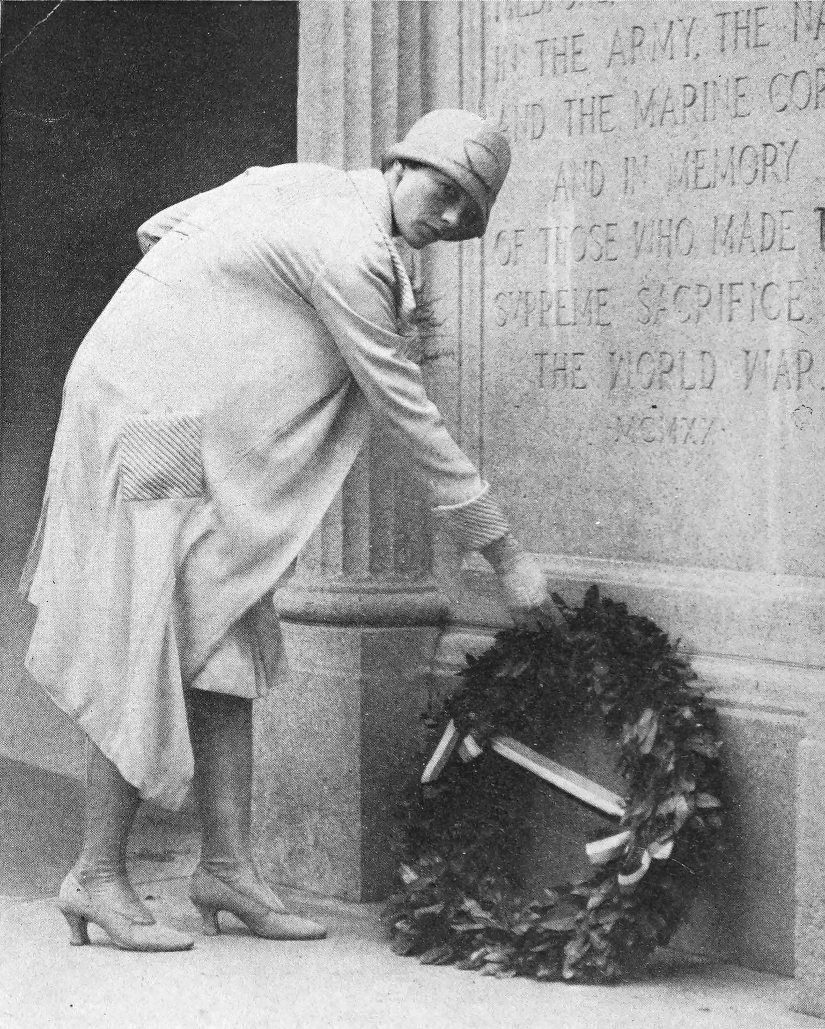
(652, 282)
(653, 354)
(634, 356)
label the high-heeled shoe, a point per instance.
(255, 905)
(129, 931)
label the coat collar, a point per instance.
(372, 188)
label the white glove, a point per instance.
(522, 581)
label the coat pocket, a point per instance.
(160, 457)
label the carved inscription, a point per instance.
(663, 228)
(665, 428)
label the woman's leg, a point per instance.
(98, 889)
(221, 730)
(227, 879)
(110, 807)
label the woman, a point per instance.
(209, 418)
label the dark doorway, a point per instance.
(110, 112)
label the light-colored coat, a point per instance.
(209, 418)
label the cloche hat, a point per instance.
(468, 149)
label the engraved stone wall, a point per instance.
(652, 288)
(634, 356)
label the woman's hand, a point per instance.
(522, 582)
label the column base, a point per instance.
(339, 740)
(363, 601)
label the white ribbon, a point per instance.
(441, 754)
(468, 749)
(578, 786)
(599, 852)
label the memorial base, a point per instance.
(762, 906)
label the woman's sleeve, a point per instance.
(356, 302)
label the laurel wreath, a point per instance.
(462, 899)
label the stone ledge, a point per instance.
(767, 687)
(731, 614)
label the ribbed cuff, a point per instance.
(475, 524)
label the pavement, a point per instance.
(351, 980)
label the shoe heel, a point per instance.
(78, 929)
(211, 927)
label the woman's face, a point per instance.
(428, 206)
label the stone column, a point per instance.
(361, 616)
